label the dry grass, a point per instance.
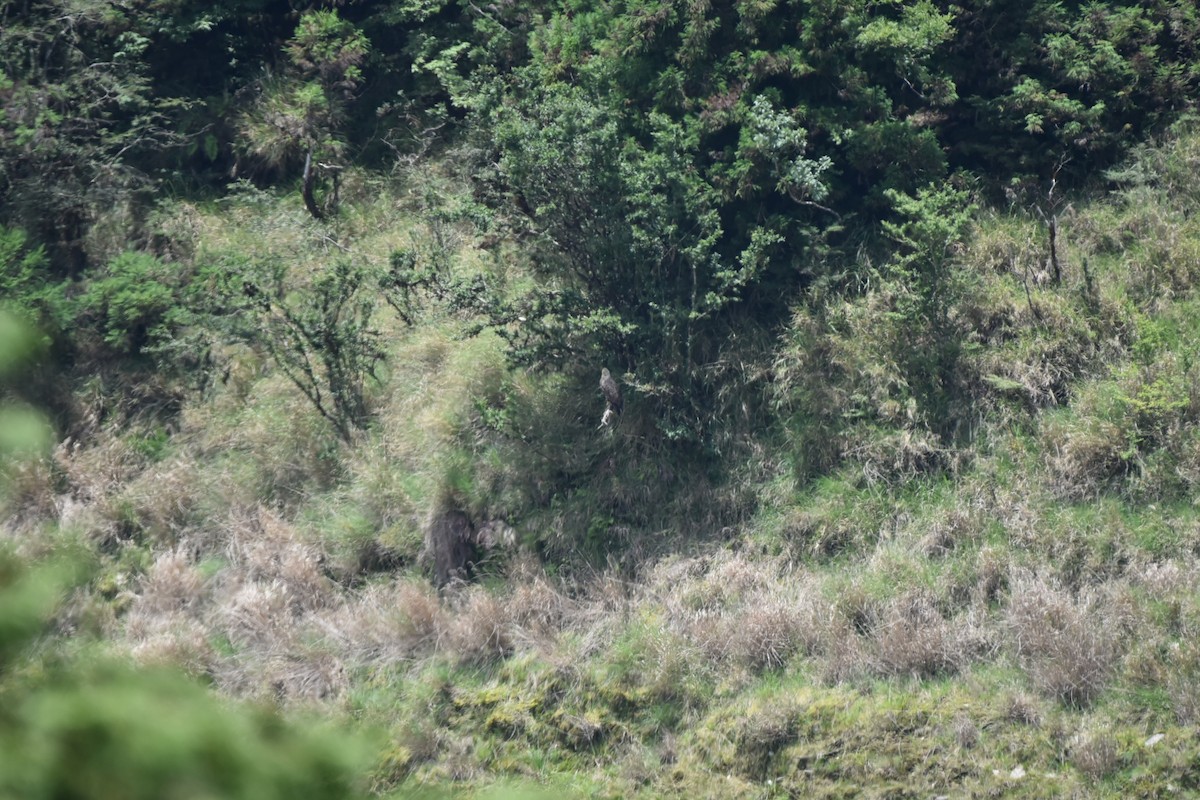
(27, 495)
(163, 499)
(1085, 456)
(1094, 752)
(770, 629)
(480, 631)
(386, 623)
(170, 638)
(900, 456)
(1069, 645)
(949, 532)
(1183, 682)
(538, 609)
(966, 732)
(289, 632)
(173, 583)
(914, 639)
(755, 613)
(1025, 709)
(267, 549)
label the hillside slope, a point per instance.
(948, 545)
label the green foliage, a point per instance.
(329, 48)
(78, 106)
(298, 116)
(932, 225)
(72, 728)
(23, 429)
(639, 272)
(1069, 80)
(681, 161)
(26, 285)
(131, 301)
(321, 336)
(879, 374)
(930, 235)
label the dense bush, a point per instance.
(26, 286)
(129, 303)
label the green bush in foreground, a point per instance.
(71, 728)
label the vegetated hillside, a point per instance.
(901, 300)
(859, 599)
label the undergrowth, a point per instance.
(882, 588)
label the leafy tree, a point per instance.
(684, 174)
(1042, 82)
(23, 428)
(26, 287)
(77, 106)
(929, 233)
(633, 272)
(298, 114)
(131, 301)
(321, 336)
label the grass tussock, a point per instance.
(1070, 646)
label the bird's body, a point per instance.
(612, 397)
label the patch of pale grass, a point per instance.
(1095, 752)
(257, 615)
(770, 629)
(173, 583)
(1167, 580)
(98, 466)
(914, 639)
(992, 567)
(966, 732)
(387, 623)
(1069, 645)
(164, 623)
(170, 638)
(845, 654)
(1024, 708)
(163, 498)
(734, 608)
(1085, 452)
(721, 581)
(27, 496)
(296, 671)
(308, 673)
(538, 610)
(899, 456)
(480, 631)
(949, 532)
(263, 546)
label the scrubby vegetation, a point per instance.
(300, 340)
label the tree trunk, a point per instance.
(310, 178)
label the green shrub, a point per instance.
(322, 338)
(84, 729)
(131, 301)
(25, 285)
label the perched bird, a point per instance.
(612, 397)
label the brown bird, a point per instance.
(612, 397)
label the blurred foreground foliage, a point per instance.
(80, 727)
